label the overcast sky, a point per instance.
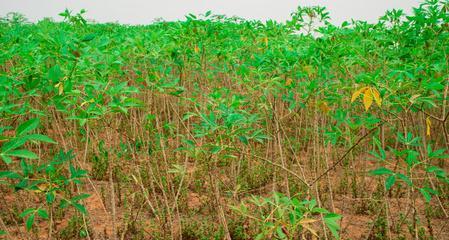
(144, 11)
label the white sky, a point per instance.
(144, 11)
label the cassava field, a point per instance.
(225, 128)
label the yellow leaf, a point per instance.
(265, 40)
(324, 107)
(376, 96)
(196, 49)
(43, 187)
(367, 99)
(288, 82)
(135, 179)
(60, 87)
(86, 102)
(309, 70)
(414, 97)
(311, 230)
(357, 93)
(428, 125)
(370, 94)
(307, 220)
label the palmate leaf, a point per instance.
(26, 212)
(370, 95)
(404, 178)
(31, 213)
(439, 173)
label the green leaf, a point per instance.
(412, 158)
(40, 138)
(320, 210)
(80, 197)
(13, 144)
(82, 121)
(381, 171)
(55, 74)
(23, 153)
(215, 149)
(64, 203)
(27, 126)
(244, 140)
(42, 213)
(22, 184)
(30, 221)
(50, 197)
(281, 233)
(331, 221)
(6, 159)
(10, 175)
(390, 182)
(260, 236)
(26, 212)
(88, 37)
(427, 196)
(26, 169)
(405, 179)
(2, 232)
(437, 153)
(292, 218)
(80, 208)
(83, 233)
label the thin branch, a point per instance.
(345, 154)
(280, 166)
